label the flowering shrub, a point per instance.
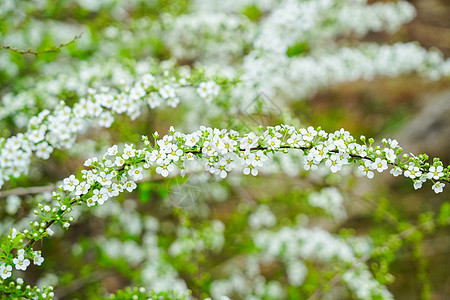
(236, 202)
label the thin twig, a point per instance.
(27, 191)
(36, 53)
(199, 151)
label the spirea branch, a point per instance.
(55, 49)
(218, 151)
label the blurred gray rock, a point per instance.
(429, 131)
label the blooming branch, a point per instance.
(36, 53)
(218, 151)
(57, 130)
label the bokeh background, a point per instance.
(409, 108)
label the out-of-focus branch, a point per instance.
(36, 53)
(27, 191)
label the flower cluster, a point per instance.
(287, 49)
(58, 129)
(221, 36)
(220, 151)
(288, 56)
(60, 80)
(21, 262)
(298, 244)
(18, 290)
(302, 76)
(307, 21)
(331, 201)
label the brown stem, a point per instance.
(36, 53)
(27, 191)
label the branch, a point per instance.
(149, 90)
(27, 191)
(219, 151)
(36, 53)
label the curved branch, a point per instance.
(27, 191)
(36, 53)
(58, 129)
(218, 151)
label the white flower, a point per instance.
(130, 186)
(120, 104)
(250, 169)
(37, 135)
(173, 102)
(334, 163)
(155, 156)
(273, 142)
(5, 271)
(119, 187)
(100, 196)
(296, 141)
(390, 155)
(417, 184)
(310, 163)
(438, 187)
(380, 165)
(262, 217)
(209, 149)
(412, 172)
(165, 168)
(70, 183)
(21, 263)
(114, 190)
(119, 161)
(173, 152)
(136, 173)
(366, 169)
(128, 151)
(94, 109)
(208, 90)
(251, 161)
(76, 124)
(112, 150)
(308, 134)
(343, 158)
(154, 100)
(167, 92)
(137, 93)
(340, 145)
(319, 152)
(147, 80)
(191, 140)
(435, 172)
(249, 141)
(90, 161)
(396, 171)
(43, 150)
(393, 143)
(90, 202)
(82, 188)
(105, 119)
(37, 258)
(104, 179)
